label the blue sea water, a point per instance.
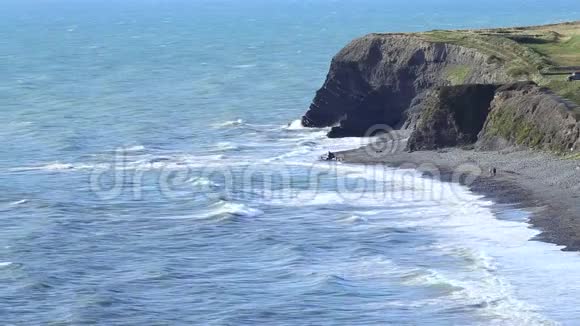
(148, 176)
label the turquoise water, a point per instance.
(148, 175)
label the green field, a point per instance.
(526, 52)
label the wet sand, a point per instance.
(543, 183)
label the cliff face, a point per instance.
(451, 116)
(493, 117)
(528, 115)
(374, 80)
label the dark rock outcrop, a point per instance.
(528, 115)
(374, 80)
(451, 116)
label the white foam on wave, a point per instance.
(48, 167)
(220, 211)
(140, 163)
(312, 139)
(225, 210)
(481, 289)
(63, 167)
(497, 255)
(456, 216)
(19, 202)
(195, 162)
(6, 264)
(230, 123)
(387, 188)
(55, 167)
(226, 146)
(238, 210)
(295, 125)
(497, 248)
(294, 153)
(491, 296)
(355, 219)
(136, 148)
(217, 162)
(246, 66)
(422, 277)
(307, 145)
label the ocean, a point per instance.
(153, 172)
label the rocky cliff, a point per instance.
(374, 80)
(493, 117)
(451, 116)
(456, 88)
(528, 115)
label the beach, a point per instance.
(543, 183)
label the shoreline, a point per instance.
(540, 183)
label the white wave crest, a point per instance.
(231, 123)
(481, 288)
(432, 278)
(246, 66)
(19, 202)
(136, 148)
(354, 219)
(295, 125)
(60, 167)
(228, 209)
(48, 167)
(226, 146)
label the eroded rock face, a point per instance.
(451, 116)
(528, 115)
(374, 79)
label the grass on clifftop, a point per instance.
(528, 53)
(559, 43)
(562, 87)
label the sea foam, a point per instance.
(230, 123)
(295, 125)
(225, 209)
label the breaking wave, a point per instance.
(295, 125)
(225, 210)
(230, 123)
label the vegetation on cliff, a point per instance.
(544, 54)
(528, 115)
